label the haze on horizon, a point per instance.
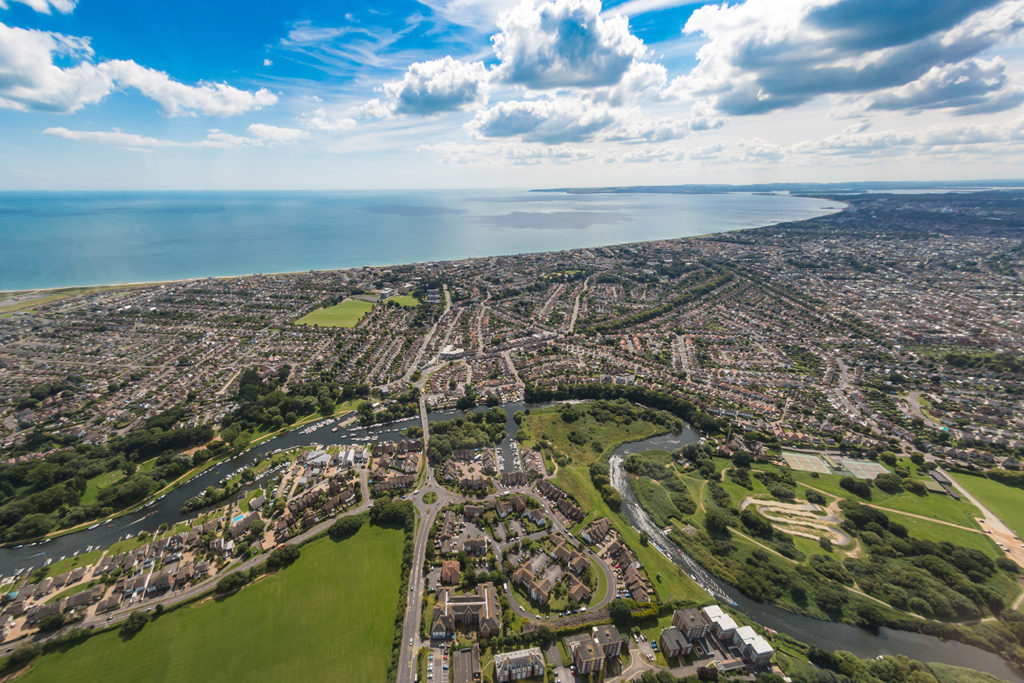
(97, 94)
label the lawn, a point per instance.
(100, 481)
(1005, 502)
(546, 424)
(930, 531)
(328, 617)
(405, 301)
(346, 314)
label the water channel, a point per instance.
(823, 634)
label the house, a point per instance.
(160, 582)
(449, 472)
(578, 563)
(515, 478)
(475, 546)
(673, 644)
(536, 515)
(518, 504)
(503, 508)
(256, 503)
(40, 612)
(472, 511)
(515, 666)
(597, 531)
(578, 591)
(691, 623)
(242, 526)
(108, 604)
(477, 610)
(451, 572)
(77, 600)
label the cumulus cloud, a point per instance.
(764, 55)
(433, 87)
(263, 131)
(548, 121)
(564, 43)
(31, 80)
(45, 6)
(972, 86)
(321, 119)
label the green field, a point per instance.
(405, 301)
(346, 314)
(329, 616)
(100, 481)
(547, 424)
(933, 505)
(1005, 502)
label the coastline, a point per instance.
(831, 210)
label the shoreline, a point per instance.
(150, 283)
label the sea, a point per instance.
(65, 239)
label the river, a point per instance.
(824, 634)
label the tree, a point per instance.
(620, 611)
(344, 527)
(133, 624)
(282, 557)
(858, 487)
(717, 521)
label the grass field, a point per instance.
(1005, 502)
(406, 301)
(100, 481)
(932, 505)
(547, 424)
(655, 499)
(327, 617)
(346, 314)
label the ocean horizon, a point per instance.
(69, 239)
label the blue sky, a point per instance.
(97, 94)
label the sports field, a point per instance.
(405, 300)
(346, 314)
(805, 462)
(862, 469)
(328, 617)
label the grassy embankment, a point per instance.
(296, 625)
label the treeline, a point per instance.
(263, 403)
(478, 430)
(674, 302)
(680, 407)
(39, 496)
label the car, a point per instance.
(410, 641)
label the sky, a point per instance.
(395, 94)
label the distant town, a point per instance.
(581, 464)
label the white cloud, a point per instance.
(321, 119)
(263, 131)
(214, 99)
(548, 121)
(214, 139)
(434, 87)
(44, 6)
(764, 55)
(30, 80)
(504, 153)
(478, 14)
(972, 86)
(564, 43)
(267, 62)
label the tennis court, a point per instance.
(862, 469)
(805, 462)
